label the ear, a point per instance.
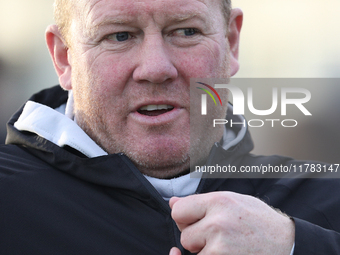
(60, 56)
(234, 29)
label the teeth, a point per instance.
(156, 107)
(163, 107)
(149, 108)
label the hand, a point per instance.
(231, 223)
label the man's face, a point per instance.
(131, 67)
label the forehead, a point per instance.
(121, 11)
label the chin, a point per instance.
(163, 165)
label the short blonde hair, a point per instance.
(226, 8)
(63, 15)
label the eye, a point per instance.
(119, 37)
(187, 31)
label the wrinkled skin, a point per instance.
(124, 55)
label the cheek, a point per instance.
(205, 61)
(99, 86)
(110, 73)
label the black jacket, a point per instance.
(57, 201)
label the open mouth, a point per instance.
(155, 110)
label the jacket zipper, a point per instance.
(175, 242)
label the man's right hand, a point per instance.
(231, 223)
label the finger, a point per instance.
(173, 200)
(194, 237)
(188, 210)
(175, 251)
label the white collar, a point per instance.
(59, 128)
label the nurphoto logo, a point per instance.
(293, 96)
(204, 97)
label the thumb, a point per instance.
(173, 200)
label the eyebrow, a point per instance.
(185, 16)
(114, 20)
(120, 21)
(109, 20)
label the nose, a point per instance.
(154, 62)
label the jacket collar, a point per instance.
(95, 165)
